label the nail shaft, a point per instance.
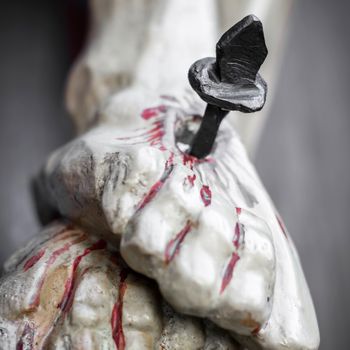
(205, 137)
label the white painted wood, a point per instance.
(141, 44)
(128, 178)
(67, 290)
(177, 221)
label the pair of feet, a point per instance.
(205, 230)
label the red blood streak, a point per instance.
(238, 230)
(256, 330)
(205, 195)
(209, 160)
(51, 260)
(156, 135)
(149, 113)
(136, 135)
(281, 224)
(170, 161)
(151, 194)
(190, 160)
(229, 271)
(117, 313)
(67, 299)
(157, 186)
(191, 179)
(234, 257)
(33, 260)
(158, 125)
(187, 159)
(156, 138)
(237, 235)
(26, 339)
(173, 247)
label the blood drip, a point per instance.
(237, 236)
(189, 160)
(173, 247)
(234, 257)
(169, 166)
(152, 112)
(33, 260)
(156, 135)
(67, 299)
(205, 195)
(27, 338)
(191, 179)
(51, 260)
(229, 271)
(117, 313)
(281, 225)
(256, 330)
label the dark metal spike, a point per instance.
(231, 81)
(241, 51)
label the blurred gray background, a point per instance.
(303, 157)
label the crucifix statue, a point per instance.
(158, 231)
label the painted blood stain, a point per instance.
(256, 330)
(69, 287)
(239, 230)
(156, 135)
(281, 225)
(50, 262)
(205, 195)
(191, 179)
(173, 247)
(33, 260)
(117, 313)
(169, 166)
(27, 338)
(190, 161)
(229, 271)
(237, 236)
(170, 161)
(152, 112)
